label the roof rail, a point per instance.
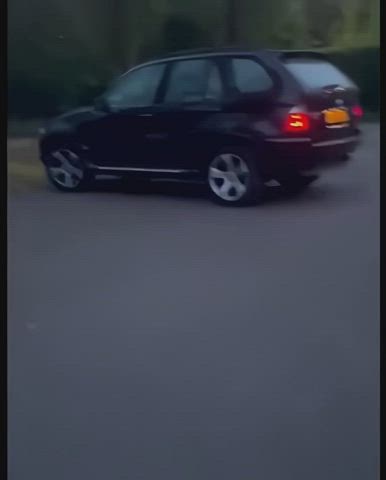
(201, 51)
(299, 53)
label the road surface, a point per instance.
(158, 336)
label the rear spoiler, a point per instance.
(288, 54)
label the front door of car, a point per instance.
(175, 131)
(118, 136)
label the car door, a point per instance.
(118, 137)
(192, 96)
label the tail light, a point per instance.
(297, 123)
(357, 111)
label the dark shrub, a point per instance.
(362, 65)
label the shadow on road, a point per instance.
(176, 189)
(273, 194)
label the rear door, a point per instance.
(330, 96)
(176, 135)
(252, 92)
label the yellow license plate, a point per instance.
(336, 115)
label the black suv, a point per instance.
(232, 118)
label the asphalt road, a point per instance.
(157, 336)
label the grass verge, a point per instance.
(24, 169)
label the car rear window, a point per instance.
(250, 76)
(317, 73)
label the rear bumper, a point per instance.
(303, 154)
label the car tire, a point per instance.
(234, 179)
(66, 167)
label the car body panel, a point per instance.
(180, 139)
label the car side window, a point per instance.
(249, 76)
(136, 89)
(193, 81)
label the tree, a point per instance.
(231, 22)
(325, 20)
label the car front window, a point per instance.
(135, 89)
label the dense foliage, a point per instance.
(61, 53)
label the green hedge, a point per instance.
(54, 85)
(47, 91)
(362, 65)
(31, 97)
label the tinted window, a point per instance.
(249, 76)
(315, 73)
(136, 89)
(194, 81)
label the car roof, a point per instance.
(206, 51)
(235, 50)
(224, 51)
(196, 53)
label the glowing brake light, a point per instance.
(297, 122)
(357, 111)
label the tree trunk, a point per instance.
(118, 9)
(231, 22)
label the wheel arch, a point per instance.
(53, 140)
(221, 141)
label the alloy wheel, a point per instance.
(228, 177)
(65, 168)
